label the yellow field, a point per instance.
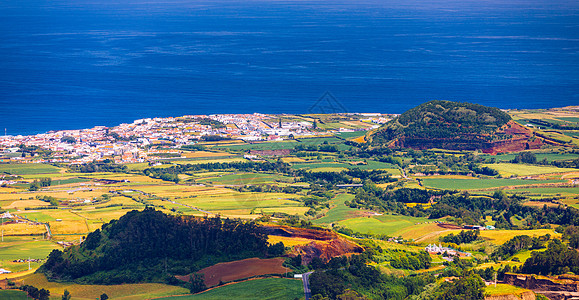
(499, 237)
(504, 289)
(69, 227)
(360, 140)
(508, 169)
(21, 204)
(23, 229)
(292, 159)
(198, 154)
(57, 193)
(288, 241)
(124, 291)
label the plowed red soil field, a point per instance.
(240, 269)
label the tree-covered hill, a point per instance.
(450, 125)
(150, 246)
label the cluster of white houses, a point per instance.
(439, 249)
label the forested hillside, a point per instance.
(152, 246)
(450, 125)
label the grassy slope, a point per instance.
(504, 289)
(339, 212)
(508, 169)
(269, 288)
(481, 183)
(13, 295)
(125, 291)
(392, 225)
(28, 169)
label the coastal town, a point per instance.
(137, 141)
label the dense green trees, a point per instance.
(141, 245)
(35, 293)
(105, 166)
(340, 274)
(467, 236)
(444, 124)
(557, 259)
(518, 243)
(412, 261)
(469, 287)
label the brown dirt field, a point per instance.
(239, 269)
(449, 226)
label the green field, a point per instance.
(507, 169)
(540, 156)
(13, 248)
(245, 179)
(504, 289)
(124, 291)
(548, 191)
(13, 295)
(479, 183)
(269, 288)
(340, 212)
(28, 169)
(391, 225)
(371, 165)
(349, 135)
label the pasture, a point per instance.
(504, 289)
(28, 169)
(267, 289)
(508, 169)
(370, 165)
(480, 183)
(339, 211)
(499, 237)
(261, 146)
(393, 225)
(13, 295)
(123, 291)
(245, 179)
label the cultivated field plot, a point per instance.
(351, 135)
(266, 289)
(69, 227)
(500, 237)
(28, 169)
(262, 146)
(538, 193)
(13, 295)
(479, 183)
(339, 211)
(206, 161)
(205, 154)
(393, 225)
(371, 165)
(104, 214)
(23, 229)
(236, 200)
(124, 291)
(507, 169)
(504, 289)
(22, 248)
(540, 156)
(235, 270)
(246, 179)
(181, 191)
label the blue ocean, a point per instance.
(77, 64)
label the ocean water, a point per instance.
(77, 64)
